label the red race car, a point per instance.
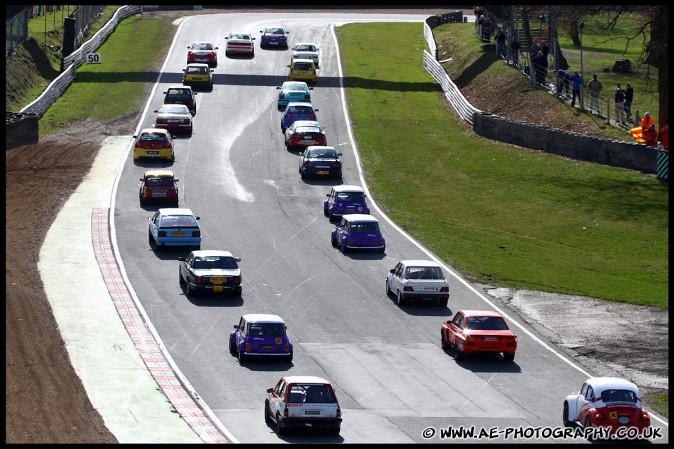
(202, 52)
(472, 331)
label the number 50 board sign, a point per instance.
(94, 58)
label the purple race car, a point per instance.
(260, 334)
(345, 199)
(358, 231)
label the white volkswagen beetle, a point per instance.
(610, 402)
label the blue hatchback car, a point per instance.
(293, 91)
(260, 334)
(296, 110)
(174, 227)
(345, 199)
(358, 231)
(274, 37)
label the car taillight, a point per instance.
(311, 117)
(199, 280)
(286, 348)
(322, 140)
(645, 418)
(189, 53)
(288, 115)
(336, 164)
(511, 343)
(282, 38)
(281, 95)
(339, 413)
(308, 164)
(307, 97)
(408, 288)
(212, 53)
(236, 280)
(196, 233)
(599, 416)
(444, 289)
(248, 347)
(285, 411)
(167, 145)
(161, 233)
(144, 191)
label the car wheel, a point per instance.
(344, 247)
(326, 213)
(289, 358)
(443, 342)
(458, 355)
(155, 246)
(443, 302)
(302, 174)
(189, 291)
(565, 415)
(381, 250)
(267, 418)
(142, 203)
(232, 347)
(237, 292)
(333, 241)
(242, 356)
(280, 429)
(180, 277)
(508, 356)
(400, 299)
(334, 431)
(197, 247)
(191, 127)
(388, 289)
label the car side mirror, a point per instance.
(278, 87)
(253, 39)
(238, 259)
(311, 88)
(176, 180)
(141, 179)
(156, 110)
(288, 65)
(188, 46)
(181, 258)
(236, 326)
(269, 390)
(339, 154)
(135, 137)
(391, 270)
(212, 70)
(198, 218)
(315, 110)
(183, 70)
(327, 194)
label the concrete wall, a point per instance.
(615, 153)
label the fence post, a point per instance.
(608, 110)
(663, 164)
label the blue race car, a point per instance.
(274, 37)
(345, 199)
(358, 231)
(297, 111)
(174, 227)
(260, 334)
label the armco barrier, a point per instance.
(71, 62)
(20, 129)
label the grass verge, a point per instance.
(501, 215)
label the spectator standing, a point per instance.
(515, 47)
(545, 48)
(533, 51)
(540, 65)
(627, 105)
(577, 84)
(500, 40)
(564, 81)
(619, 101)
(594, 87)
